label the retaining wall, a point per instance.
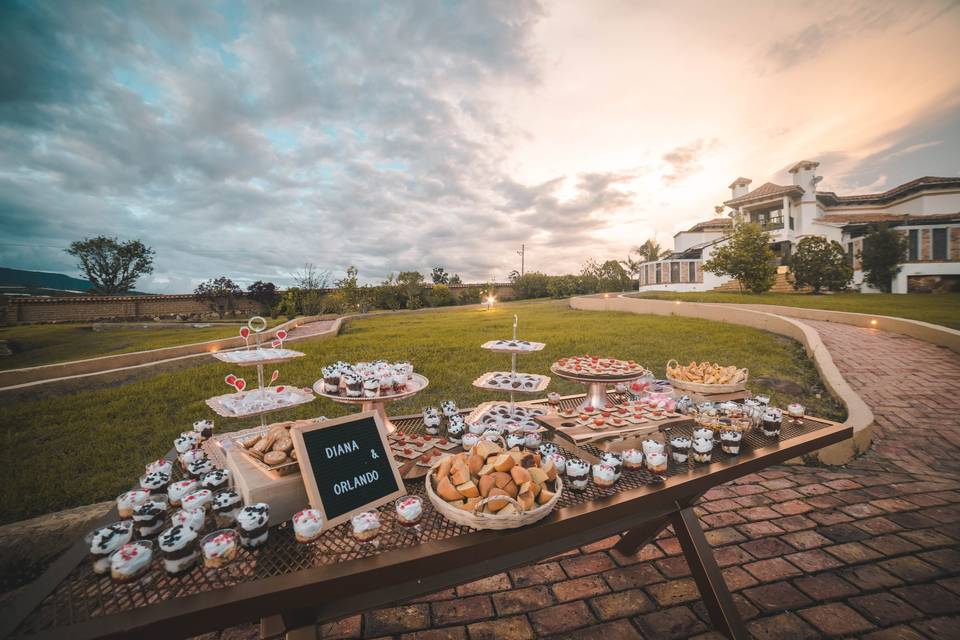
(859, 415)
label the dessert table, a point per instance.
(290, 587)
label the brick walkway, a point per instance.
(868, 551)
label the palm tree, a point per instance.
(650, 251)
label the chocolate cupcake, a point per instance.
(216, 479)
(253, 524)
(178, 544)
(200, 467)
(226, 506)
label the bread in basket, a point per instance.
(706, 377)
(489, 487)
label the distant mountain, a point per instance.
(42, 283)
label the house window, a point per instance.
(940, 244)
(850, 253)
(658, 272)
(674, 272)
(691, 271)
(791, 223)
(913, 245)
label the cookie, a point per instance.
(275, 457)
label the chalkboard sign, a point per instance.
(347, 466)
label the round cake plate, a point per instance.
(415, 385)
(224, 356)
(596, 387)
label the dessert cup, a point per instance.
(219, 548)
(307, 525)
(409, 510)
(253, 524)
(178, 546)
(366, 525)
(131, 561)
(105, 541)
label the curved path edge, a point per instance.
(859, 415)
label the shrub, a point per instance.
(820, 263)
(411, 284)
(562, 286)
(469, 295)
(440, 296)
(883, 251)
(745, 256)
(531, 285)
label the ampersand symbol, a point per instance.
(373, 454)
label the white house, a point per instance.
(926, 209)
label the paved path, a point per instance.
(870, 550)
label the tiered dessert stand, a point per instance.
(596, 385)
(415, 385)
(259, 356)
(483, 382)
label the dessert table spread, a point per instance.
(289, 586)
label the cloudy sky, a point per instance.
(246, 138)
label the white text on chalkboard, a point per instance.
(342, 448)
(358, 481)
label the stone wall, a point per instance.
(14, 310)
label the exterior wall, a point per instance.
(919, 204)
(703, 281)
(900, 283)
(684, 240)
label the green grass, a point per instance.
(74, 449)
(941, 308)
(37, 344)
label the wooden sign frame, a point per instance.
(309, 478)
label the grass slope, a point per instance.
(943, 308)
(37, 344)
(88, 446)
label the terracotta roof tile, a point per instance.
(766, 190)
(866, 218)
(831, 198)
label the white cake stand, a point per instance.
(596, 387)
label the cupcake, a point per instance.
(149, 516)
(200, 467)
(577, 473)
(366, 525)
(127, 502)
(331, 379)
(613, 460)
(105, 541)
(532, 440)
(199, 499)
(131, 561)
(253, 524)
(307, 525)
(216, 479)
(680, 449)
(633, 458)
(449, 408)
(657, 462)
(455, 431)
(155, 482)
(226, 506)
(604, 475)
(180, 489)
(162, 465)
(178, 544)
(204, 428)
(730, 441)
(409, 510)
(184, 443)
(193, 518)
(219, 548)
(353, 384)
(558, 460)
(431, 420)
(702, 449)
(371, 387)
(770, 423)
(548, 448)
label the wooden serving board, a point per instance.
(579, 434)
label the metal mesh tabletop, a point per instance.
(84, 596)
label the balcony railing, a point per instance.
(770, 224)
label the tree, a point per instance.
(112, 266)
(746, 256)
(310, 278)
(263, 292)
(219, 294)
(650, 251)
(455, 279)
(883, 251)
(439, 276)
(411, 284)
(440, 296)
(820, 263)
(513, 276)
(532, 284)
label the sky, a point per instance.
(248, 138)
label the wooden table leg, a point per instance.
(706, 573)
(631, 541)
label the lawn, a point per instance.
(75, 449)
(37, 344)
(941, 308)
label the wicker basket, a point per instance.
(480, 520)
(708, 389)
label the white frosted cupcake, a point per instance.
(307, 525)
(477, 428)
(795, 410)
(253, 524)
(604, 475)
(216, 479)
(127, 502)
(366, 525)
(578, 472)
(184, 443)
(189, 457)
(131, 561)
(702, 450)
(657, 462)
(204, 428)
(105, 541)
(431, 420)
(177, 491)
(409, 510)
(548, 448)
(178, 544)
(455, 431)
(449, 408)
(633, 458)
(613, 460)
(155, 482)
(200, 467)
